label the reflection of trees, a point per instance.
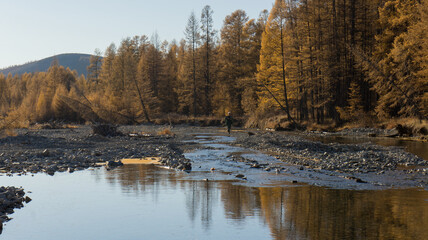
(139, 179)
(201, 197)
(142, 179)
(293, 212)
(275, 212)
(239, 201)
(319, 213)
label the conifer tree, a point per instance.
(233, 64)
(409, 56)
(208, 39)
(272, 71)
(395, 76)
(4, 95)
(192, 41)
(170, 98)
(94, 67)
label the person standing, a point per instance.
(228, 120)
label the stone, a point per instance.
(45, 153)
(255, 165)
(114, 163)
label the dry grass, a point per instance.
(177, 119)
(70, 126)
(166, 132)
(328, 126)
(416, 126)
(8, 133)
(53, 125)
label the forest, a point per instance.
(310, 61)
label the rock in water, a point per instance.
(113, 164)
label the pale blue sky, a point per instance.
(35, 29)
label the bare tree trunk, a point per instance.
(194, 78)
(146, 115)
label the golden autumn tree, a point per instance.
(253, 31)
(232, 61)
(94, 68)
(190, 76)
(354, 110)
(394, 78)
(420, 33)
(147, 77)
(207, 55)
(272, 72)
(410, 57)
(4, 95)
(169, 78)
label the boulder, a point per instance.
(106, 130)
(113, 164)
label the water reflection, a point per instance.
(416, 147)
(307, 212)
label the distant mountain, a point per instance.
(74, 61)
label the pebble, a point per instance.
(59, 150)
(350, 158)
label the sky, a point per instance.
(32, 30)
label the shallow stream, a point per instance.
(418, 148)
(149, 202)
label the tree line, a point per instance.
(310, 60)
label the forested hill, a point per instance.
(74, 61)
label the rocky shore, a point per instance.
(72, 149)
(10, 198)
(338, 158)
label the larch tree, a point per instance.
(4, 95)
(149, 102)
(409, 56)
(94, 67)
(232, 59)
(419, 33)
(272, 71)
(253, 31)
(208, 39)
(393, 76)
(170, 98)
(192, 37)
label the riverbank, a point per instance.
(10, 198)
(78, 148)
(363, 163)
(74, 148)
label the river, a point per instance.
(149, 202)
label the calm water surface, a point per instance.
(416, 147)
(147, 202)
